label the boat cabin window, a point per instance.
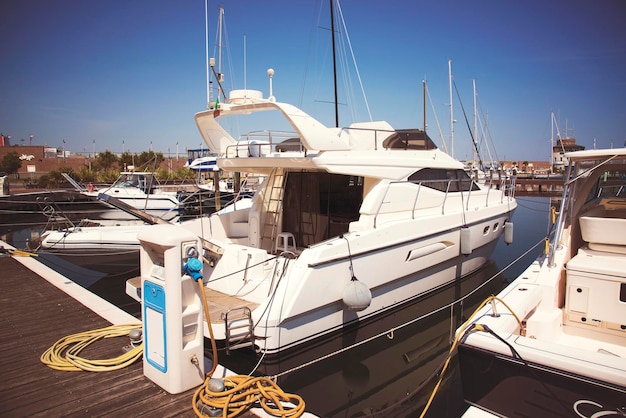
(320, 205)
(444, 179)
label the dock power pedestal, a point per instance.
(172, 310)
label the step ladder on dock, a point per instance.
(239, 328)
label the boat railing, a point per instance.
(441, 185)
(243, 192)
(504, 183)
(447, 186)
(261, 143)
(362, 134)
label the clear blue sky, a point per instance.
(127, 73)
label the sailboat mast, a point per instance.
(451, 112)
(219, 46)
(475, 123)
(332, 30)
(424, 94)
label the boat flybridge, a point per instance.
(348, 223)
(553, 342)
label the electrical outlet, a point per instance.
(189, 250)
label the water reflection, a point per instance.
(382, 368)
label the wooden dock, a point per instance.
(35, 313)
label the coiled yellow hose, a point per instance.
(64, 354)
(240, 391)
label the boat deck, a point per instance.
(34, 315)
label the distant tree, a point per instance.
(107, 176)
(106, 160)
(84, 175)
(55, 177)
(10, 163)
(148, 161)
(184, 173)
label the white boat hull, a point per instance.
(306, 293)
(554, 341)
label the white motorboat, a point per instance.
(141, 191)
(348, 224)
(96, 245)
(553, 342)
(93, 238)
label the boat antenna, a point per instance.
(332, 30)
(219, 46)
(219, 77)
(206, 52)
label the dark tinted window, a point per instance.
(443, 179)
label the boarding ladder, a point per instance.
(239, 328)
(273, 201)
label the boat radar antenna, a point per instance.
(270, 74)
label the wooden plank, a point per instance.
(219, 303)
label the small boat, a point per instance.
(553, 342)
(94, 245)
(140, 190)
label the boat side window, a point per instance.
(439, 178)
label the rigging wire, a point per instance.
(354, 60)
(441, 135)
(468, 126)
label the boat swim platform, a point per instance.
(219, 303)
(38, 307)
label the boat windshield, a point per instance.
(413, 139)
(445, 180)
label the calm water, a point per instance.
(394, 372)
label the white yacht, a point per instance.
(348, 223)
(553, 343)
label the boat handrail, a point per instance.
(564, 212)
(419, 187)
(448, 189)
(375, 131)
